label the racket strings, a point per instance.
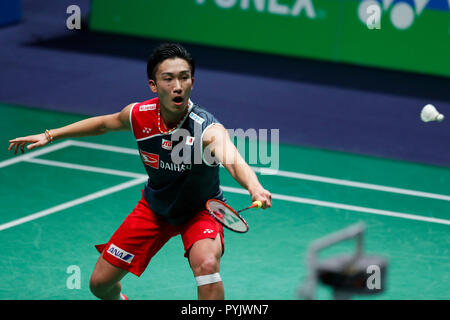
(226, 216)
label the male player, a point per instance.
(180, 145)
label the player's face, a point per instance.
(173, 84)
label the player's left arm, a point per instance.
(217, 139)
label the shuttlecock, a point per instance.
(429, 113)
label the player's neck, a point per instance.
(172, 119)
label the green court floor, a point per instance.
(58, 201)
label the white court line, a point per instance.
(288, 174)
(344, 206)
(228, 189)
(35, 153)
(293, 175)
(349, 183)
(137, 181)
(86, 168)
(104, 147)
(73, 203)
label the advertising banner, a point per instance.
(409, 35)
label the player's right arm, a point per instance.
(87, 127)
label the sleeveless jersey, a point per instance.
(181, 178)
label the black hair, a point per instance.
(168, 51)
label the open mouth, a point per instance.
(178, 100)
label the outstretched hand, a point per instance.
(38, 140)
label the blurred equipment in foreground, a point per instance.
(349, 274)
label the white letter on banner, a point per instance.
(304, 4)
(275, 7)
(225, 3)
(259, 5)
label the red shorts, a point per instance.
(142, 235)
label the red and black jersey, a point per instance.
(181, 177)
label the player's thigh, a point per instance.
(203, 241)
(205, 254)
(106, 274)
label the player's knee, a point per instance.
(97, 285)
(206, 265)
(94, 285)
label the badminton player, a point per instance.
(173, 200)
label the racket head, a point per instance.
(226, 216)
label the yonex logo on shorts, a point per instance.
(120, 254)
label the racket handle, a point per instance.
(257, 204)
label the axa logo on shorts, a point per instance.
(120, 253)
